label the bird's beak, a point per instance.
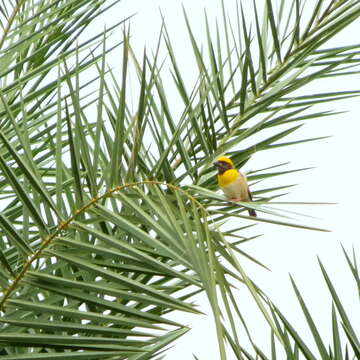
(216, 164)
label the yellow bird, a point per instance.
(232, 182)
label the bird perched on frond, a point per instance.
(232, 182)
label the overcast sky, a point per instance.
(334, 179)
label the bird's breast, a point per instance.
(234, 185)
(228, 177)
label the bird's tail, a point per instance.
(252, 212)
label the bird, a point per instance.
(232, 182)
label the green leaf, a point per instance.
(319, 342)
(346, 323)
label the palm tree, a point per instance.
(110, 219)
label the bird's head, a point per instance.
(223, 163)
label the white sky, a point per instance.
(335, 179)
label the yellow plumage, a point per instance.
(228, 177)
(225, 160)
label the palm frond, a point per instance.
(109, 219)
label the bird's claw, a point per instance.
(234, 199)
